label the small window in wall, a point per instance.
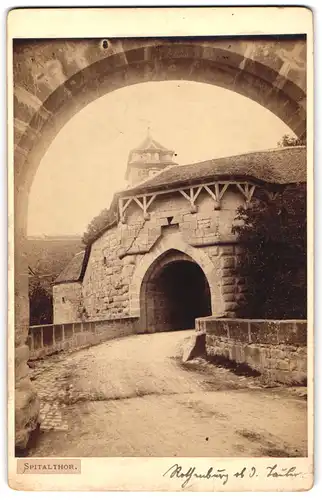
(63, 300)
(105, 261)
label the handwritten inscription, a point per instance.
(176, 471)
(186, 475)
(282, 472)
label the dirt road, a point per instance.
(133, 397)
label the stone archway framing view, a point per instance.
(67, 75)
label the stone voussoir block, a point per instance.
(226, 250)
(227, 262)
(229, 297)
(230, 280)
(228, 289)
(230, 306)
(225, 273)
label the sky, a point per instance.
(86, 163)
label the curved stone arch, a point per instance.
(194, 254)
(164, 61)
(167, 257)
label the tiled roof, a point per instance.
(276, 166)
(73, 270)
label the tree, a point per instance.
(273, 237)
(98, 224)
(289, 140)
(40, 303)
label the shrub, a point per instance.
(273, 236)
(98, 224)
(41, 305)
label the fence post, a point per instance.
(41, 337)
(63, 333)
(54, 336)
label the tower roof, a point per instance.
(150, 144)
(149, 156)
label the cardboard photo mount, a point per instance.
(148, 474)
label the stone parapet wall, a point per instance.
(275, 348)
(47, 339)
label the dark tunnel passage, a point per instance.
(175, 296)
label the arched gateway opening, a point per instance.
(174, 292)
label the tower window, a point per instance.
(63, 300)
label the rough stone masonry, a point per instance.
(167, 254)
(276, 349)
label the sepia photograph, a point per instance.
(160, 251)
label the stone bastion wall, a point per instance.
(113, 269)
(277, 349)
